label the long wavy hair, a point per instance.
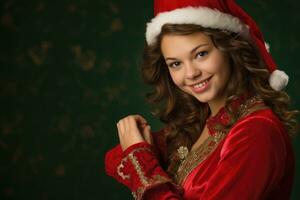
(182, 113)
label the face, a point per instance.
(196, 66)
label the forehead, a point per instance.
(172, 44)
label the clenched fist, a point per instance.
(133, 129)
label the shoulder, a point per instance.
(259, 136)
(260, 129)
(260, 121)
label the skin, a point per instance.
(190, 59)
(193, 58)
(133, 129)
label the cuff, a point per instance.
(139, 169)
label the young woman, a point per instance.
(227, 123)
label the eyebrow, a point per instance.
(192, 51)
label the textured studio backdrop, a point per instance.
(69, 70)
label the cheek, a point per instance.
(177, 78)
(219, 65)
(223, 74)
(214, 66)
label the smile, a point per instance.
(201, 86)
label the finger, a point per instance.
(135, 132)
(140, 120)
(119, 133)
(140, 125)
(132, 124)
(122, 130)
(147, 134)
(129, 124)
(121, 127)
(118, 128)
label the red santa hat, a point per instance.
(216, 14)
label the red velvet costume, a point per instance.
(252, 160)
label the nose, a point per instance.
(192, 71)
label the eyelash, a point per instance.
(171, 65)
(202, 52)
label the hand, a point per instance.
(133, 129)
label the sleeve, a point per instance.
(160, 146)
(138, 168)
(251, 161)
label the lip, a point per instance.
(191, 85)
(202, 89)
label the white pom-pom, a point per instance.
(278, 80)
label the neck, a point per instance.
(216, 105)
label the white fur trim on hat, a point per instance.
(204, 16)
(278, 80)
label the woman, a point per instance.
(227, 122)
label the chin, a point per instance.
(203, 99)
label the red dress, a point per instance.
(253, 160)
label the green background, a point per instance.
(69, 71)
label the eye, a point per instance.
(201, 54)
(174, 64)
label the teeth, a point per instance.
(202, 84)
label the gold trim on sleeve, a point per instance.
(147, 182)
(138, 168)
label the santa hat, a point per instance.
(216, 14)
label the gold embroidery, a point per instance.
(182, 151)
(147, 183)
(138, 169)
(134, 195)
(120, 173)
(251, 105)
(135, 163)
(191, 160)
(153, 182)
(194, 158)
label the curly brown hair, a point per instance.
(182, 113)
